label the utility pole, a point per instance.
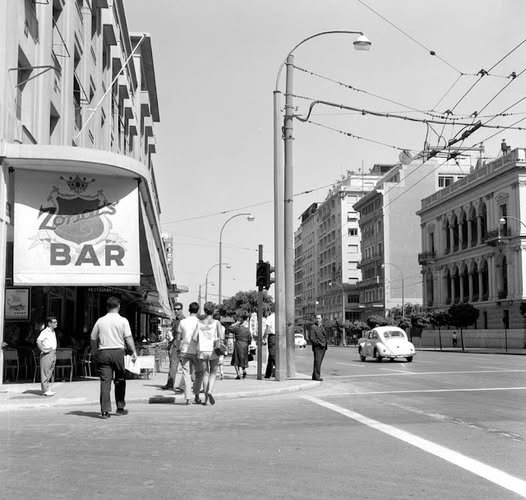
(260, 321)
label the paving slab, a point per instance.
(85, 391)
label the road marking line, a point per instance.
(430, 373)
(350, 364)
(487, 472)
(410, 391)
(393, 370)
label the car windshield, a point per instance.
(393, 333)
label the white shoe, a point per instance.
(48, 393)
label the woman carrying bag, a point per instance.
(242, 338)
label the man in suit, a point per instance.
(318, 338)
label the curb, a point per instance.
(67, 402)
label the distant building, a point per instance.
(327, 252)
(473, 237)
(390, 233)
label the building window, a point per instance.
(445, 180)
(352, 231)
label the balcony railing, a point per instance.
(425, 257)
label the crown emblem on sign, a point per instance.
(77, 184)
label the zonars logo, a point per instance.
(77, 227)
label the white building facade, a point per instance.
(473, 236)
(79, 209)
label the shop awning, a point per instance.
(154, 266)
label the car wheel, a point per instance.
(362, 357)
(409, 359)
(377, 356)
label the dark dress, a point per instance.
(242, 340)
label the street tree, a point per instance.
(244, 301)
(376, 320)
(462, 316)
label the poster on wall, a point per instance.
(76, 230)
(16, 304)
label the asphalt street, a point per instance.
(448, 425)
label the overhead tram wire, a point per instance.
(382, 115)
(429, 51)
(349, 134)
(223, 212)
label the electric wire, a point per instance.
(223, 212)
(349, 134)
(429, 51)
(383, 115)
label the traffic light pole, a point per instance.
(260, 322)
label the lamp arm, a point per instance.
(331, 32)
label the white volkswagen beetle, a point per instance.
(386, 342)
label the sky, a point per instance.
(216, 64)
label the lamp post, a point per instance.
(283, 205)
(502, 220)
(228, 266)
(402, 278)
(250, 218)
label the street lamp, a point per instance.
(228, 266)
(502, 220)
(344, 339)
(283, 203)
(402, 277)
(250, 218)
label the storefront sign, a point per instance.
(75, 230)
(17, 303)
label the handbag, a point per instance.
(219, 347)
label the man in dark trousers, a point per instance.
(318, 338)
(270, 337)
(110, 336)
(172, 351)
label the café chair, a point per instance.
(64, 363)
(36, 363)
(11, 363)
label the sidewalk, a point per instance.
(86, 391)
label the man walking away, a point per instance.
(186, 348)
(318, 338)
(47, 343)
(109, 338)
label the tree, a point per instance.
(463, 315)
(375, 320)
(439, 318)
(244, 301)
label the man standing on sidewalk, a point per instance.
(270, 337)
(318, 338)
(172, 352)
(109, 338)
(47, 343)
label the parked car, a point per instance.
(299, 340)
(386, 342)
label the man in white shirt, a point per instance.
(109, 338)
(270, 337)
(186, 348)
(47, 343)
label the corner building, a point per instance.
(79, 208)
(473, 244)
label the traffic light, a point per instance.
(263, 275)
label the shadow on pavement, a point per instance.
(35, 392)
(161, 400)
(79, 413)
